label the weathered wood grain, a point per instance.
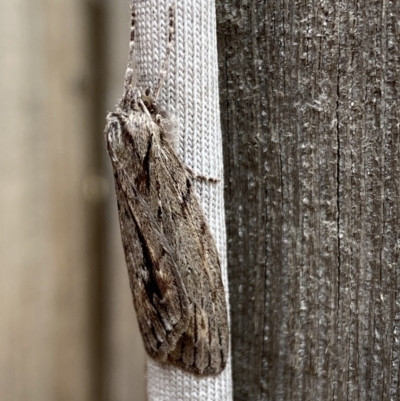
(310, 115)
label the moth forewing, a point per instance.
(172, 259)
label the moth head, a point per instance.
(162, 118)
(149, 104)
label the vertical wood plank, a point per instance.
(309, 101)
(48, 171)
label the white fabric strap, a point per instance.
(190, 93)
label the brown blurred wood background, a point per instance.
(311, 119)
(67, 326)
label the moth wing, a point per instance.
(159, 294)
(203, 346)
(172, 258)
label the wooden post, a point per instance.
(310, 114)
(51, 200)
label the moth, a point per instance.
(171, 256)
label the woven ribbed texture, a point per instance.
(190, 93)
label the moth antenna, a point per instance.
(129, 67)
(163, 72)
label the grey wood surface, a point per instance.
(310, 117)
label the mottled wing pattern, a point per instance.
(204, 344)
(158, 292)
(171, 255)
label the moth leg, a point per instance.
(200, 177)
(207, 179)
